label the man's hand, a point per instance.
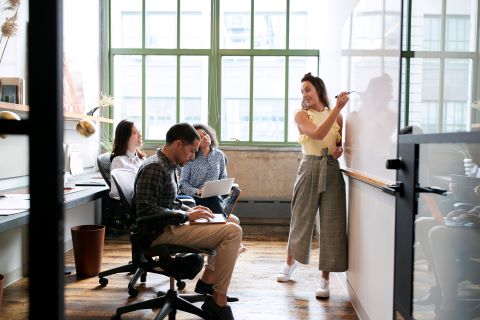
(199, 212)
(468, 218)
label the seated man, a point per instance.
(451, 245)
(155, 191)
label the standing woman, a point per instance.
(318, 186)
(126, 154)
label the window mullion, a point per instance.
(177, 90)
(250, 122)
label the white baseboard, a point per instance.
(357, 305)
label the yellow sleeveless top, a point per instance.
(314, 147)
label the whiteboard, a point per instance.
(370, 136)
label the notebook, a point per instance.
(217, 187)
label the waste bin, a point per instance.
(88, 249)
(2, 280)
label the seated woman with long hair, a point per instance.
(126, 154)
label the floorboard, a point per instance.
(261, 296)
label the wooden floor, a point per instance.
(261, 296)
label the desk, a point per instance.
(71, 200)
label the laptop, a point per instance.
(219, 218)
(217, 187)
(464, 191)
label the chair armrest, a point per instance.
(166, 217)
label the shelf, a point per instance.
(66, 115)
(13, 106)
(76, 116)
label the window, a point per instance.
(234, 64)
(440, 59)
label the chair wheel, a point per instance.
(133, 292)
(181, 285)
(103, 281)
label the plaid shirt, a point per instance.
(156, 189)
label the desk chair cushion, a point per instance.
(179, 266)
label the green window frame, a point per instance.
(215, 56)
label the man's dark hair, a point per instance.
(182, 131)
(319, 86)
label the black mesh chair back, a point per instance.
(104, 163)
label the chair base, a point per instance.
(139, 271)
(169, 304)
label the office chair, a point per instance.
(116, 219)
(124, 179)
(103, 163)
(174, 261)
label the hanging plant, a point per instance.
(9, 27)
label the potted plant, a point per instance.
(467, 160)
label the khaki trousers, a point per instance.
(224, 238)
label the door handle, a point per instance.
(394, 164)
(435, 190)
(393, 189)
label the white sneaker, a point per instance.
(323, 291)
(286, 272)
(242, 249)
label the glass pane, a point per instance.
(195, 24)
(160, 95)
(161, 24)
(424, 95)
(270, 24)
(128, 88)
(303, 19)
(126, 23)
(235, 98)
(367, 22)
(461, 21)
(456, 95)
(432, 110)
(268, 99)
(297, 68)
(447, 234)
(426, 25)
(235, 24)
(194, 89)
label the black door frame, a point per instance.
(406, 210)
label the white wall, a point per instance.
(82, 46)
(372, 69)
(371, 236)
